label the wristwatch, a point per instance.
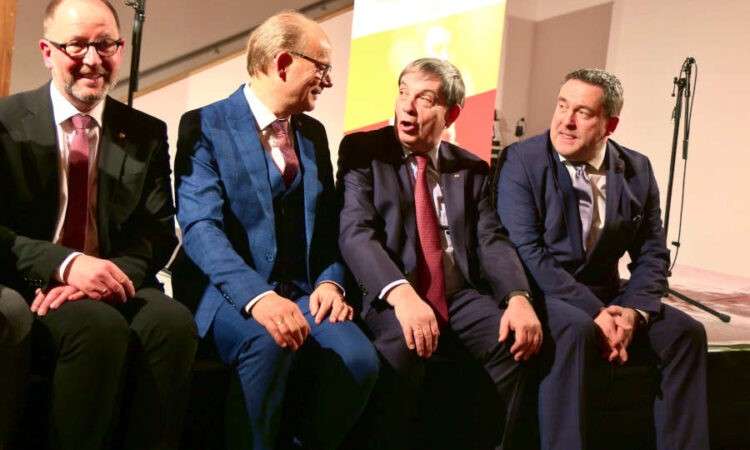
(522, 293)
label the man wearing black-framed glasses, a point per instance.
(86, 221)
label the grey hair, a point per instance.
(452, 87)
(609, 83)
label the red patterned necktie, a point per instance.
(430, 275)
(291, 163)
(74, 228)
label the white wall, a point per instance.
(649, 41)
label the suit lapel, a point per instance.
(615, 191)
(41, 133)
(571, 216)
(309, 167)
(403, 183)
(453, 186)
(247, 142)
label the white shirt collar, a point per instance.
(433, 154)
(63, 110)
(263, 116)
(597, 161)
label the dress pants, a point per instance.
(474, 324)
(117, 363)
(15, 327)
(673, 341)
(314, 394)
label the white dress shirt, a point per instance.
(63, 110)
(453, 278)
(264, 117)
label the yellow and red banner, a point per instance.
(388, 34)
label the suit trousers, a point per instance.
(474, 324)
(15, 328)
(673, 342)
(117, 363)
(312, 396)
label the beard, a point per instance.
(88, 96)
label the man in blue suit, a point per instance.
(421, 236)
(574, 202)
(257, 208)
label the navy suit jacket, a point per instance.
(225, 204)
(378, 232)
(538, 206)
(135, 214)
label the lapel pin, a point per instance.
(121, 135)
(456, 175)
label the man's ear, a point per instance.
(612, 124)
(46, 50)
(283, 61)
(452, 115)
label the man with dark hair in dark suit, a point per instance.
(574, 202)
(86, 220)
(421, 237)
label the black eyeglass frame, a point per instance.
(63, 47)
(320, 66)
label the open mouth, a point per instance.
(407, 127)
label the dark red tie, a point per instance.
(74, 228)
(430, 275)
(291, 162)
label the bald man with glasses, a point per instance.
(86, 221)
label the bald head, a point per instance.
(51, 9)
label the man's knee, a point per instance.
(359, 357)
(15, 318)
(164, 321)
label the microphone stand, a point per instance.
(135, 56)
(683, 89)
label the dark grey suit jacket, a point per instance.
(378, 233)
(135, 209)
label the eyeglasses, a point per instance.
(78, 49)
(322, 68)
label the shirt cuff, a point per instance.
(343, 291)
(60, 274)
(249, 305)
(390, 286)
(643, 314)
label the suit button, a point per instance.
(269, 256)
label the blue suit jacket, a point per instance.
(378, 237)
(537, 204)
(225, 205)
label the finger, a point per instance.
(409, 337)
(37, 300)
(324, 309)
(273, 330)
(48, 299)
(345, 313)
(63, 297)
(113, 287)
(285, 333)
(314, 304)
(295, 330)
(304, 327)
(121, 278)
(623, 355)
(504, 328)
(429, 341)
(337, 306)
(521, 341)
(350, 314)
(419, 342)
(77, 296)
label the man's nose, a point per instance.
(326, 81)
(91, 57)
(570, 120)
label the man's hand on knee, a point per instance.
(283, 320)
(53, 298)
(417, 319)
(99, 279)
(610, 341)
(520, 318)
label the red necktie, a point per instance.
(74, 228)
(430, 275)
(291, 163)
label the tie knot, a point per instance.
(279, 127)
(81, 121)
(581, 170)
(422, 160)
